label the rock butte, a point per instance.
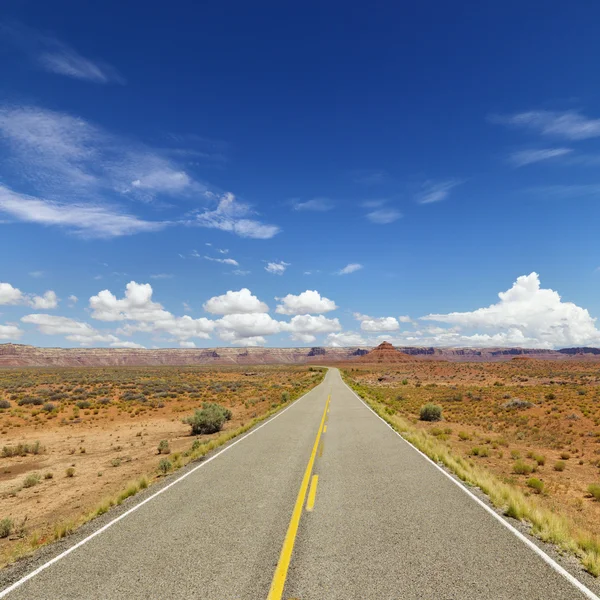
(384, 353)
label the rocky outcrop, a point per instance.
(384, 353)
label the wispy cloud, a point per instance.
(277, 268)
(232, 216)
(569, 125)
(223, 261)
(528, 157)
(316, 204)
(350, 268)
(88, 221)
(436, 191)
(384, 216)
(162, 276)
(370, 176)
(55, 56)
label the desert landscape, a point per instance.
(77, 441)
(533, 424)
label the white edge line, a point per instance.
(102, 529)
(547, 559)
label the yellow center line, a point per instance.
(278, 583)
(324, 428)
(312, 493)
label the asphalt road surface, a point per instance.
(382, 523)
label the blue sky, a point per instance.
(403, 164)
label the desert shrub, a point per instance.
(522, 468)
(405, 382)
(537, 485)
(104, 401)
(540, 459)
(83, 404)
(464, 436)
(285, 397)
(48, 407)
(209, 419)
(48, 475)
(30, 400)
(31, 480)
(6, 527)
(22, 450)
(516, 403)
(70, 472)
(550, 396)
(430, 412)
(163, 447)
(594, 490)
(560, 465)
(4, 404)
(479, 451)
(164, 466)
(565, 456)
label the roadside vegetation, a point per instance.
(527, 433)
(112, 432)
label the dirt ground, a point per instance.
(106, 424)
(484, 421)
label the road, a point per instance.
(385, 524)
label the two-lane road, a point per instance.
(383, 523)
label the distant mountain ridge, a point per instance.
(20, 355)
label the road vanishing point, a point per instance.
(323, 501)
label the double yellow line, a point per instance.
(278, 583)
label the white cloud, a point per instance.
(235, 328)
(570, 125)
(86, 220)
(240, 272)
(304, 328)
(242, 301)
(316, 204)
(377, 324)
(45, 302)
(121, 344)
(350, 268)
(10, 332)
(73, 300)
(187, 344)
(404, 319)
(58, 57)
(36, 274)
(147, 316)
(384, 216)
(277, 268)
(74, 331)
(162, 276)
(10, 294)
(525, 315)
(231, 215)
(224, 261)
(436, 192)
(305, 303)
(346, 338)
(528, 157)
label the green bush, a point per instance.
(164, 466)
(70, 472)
(163, 447)
(537, 485)
(31, 480)
(4, 404)
(522, 468)
(431, 412)
(560, 465)
(209, 419)
(594, 490)
(6, 527)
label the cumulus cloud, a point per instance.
(239, 328)
(277, 268)
(240, 302)
(74, 331)
(187, 344)
(10, 332)
(350, 268)
(121, 344)
(45, 302)
(374, 324)
(232, 216)
(526, 314)
(145, 315)
(224, 261)
(305, 303)
(304, 328)
(10, 294)
(345, 338)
